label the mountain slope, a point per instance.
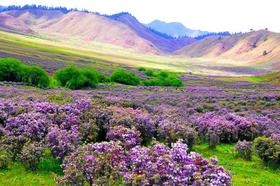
(9, 22)
(258, 46)
(174, 29)
(167, 44)
(87, 26)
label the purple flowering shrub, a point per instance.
(97, 164)
(31, 154)
(129, 137)
(32, 125)
(62, 142)
(104, 163)
(228, 127)
(244, 149)
(170, 132)
(137, 118)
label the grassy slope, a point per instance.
(248, 173)
(46, 49)
(269, 78)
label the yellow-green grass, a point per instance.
(270, 78)
(250, 173)
(99, 55)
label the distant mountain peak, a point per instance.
(174, 29)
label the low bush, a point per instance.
(4, 161)
(129, 137)
(36, 76)
(31, 155)
(108, 163)
(150, 73)
(268, 149)
(125, 77)
(75, 78)
(162, 78)
(142, 69)
(13, 70)
(244, 150)
(12, 145)
(171, 132)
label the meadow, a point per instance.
(134, 119)
(55, 51)
(143, 124)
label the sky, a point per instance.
(209, 15)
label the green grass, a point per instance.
(248, 173)
(269, 78)
(17, 175)
(69, 51)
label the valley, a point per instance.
(96, 99)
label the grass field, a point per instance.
(52, 52)
(17, 175)
(251, 173)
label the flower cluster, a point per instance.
(129, 137)
(137, 118)
(103, 163)
(228, 127)
(244, 149)
(31, 125)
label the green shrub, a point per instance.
(142, 69)
(161, 78)
(4, 161)
(90, 77)
(159, 81)
(150, 73)
(102, 78)
(36, 76)
(75, 78)
(12, 145)
(11, 69)
(268, 149)
(125, 77)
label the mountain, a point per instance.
(256, 46)
(121, 29)
(2, 8)
(174, 29)
(166, 44)
(84, 25)
(11, 23)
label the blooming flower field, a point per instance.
(121, 135)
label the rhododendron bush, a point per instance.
(107, 162)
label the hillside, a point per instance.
(174, 29)
(166, 44)
(257, 46)
(87, 26)
(11, 23)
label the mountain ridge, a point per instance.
(256, 46)
(174, 29)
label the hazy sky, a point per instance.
(210, 15)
